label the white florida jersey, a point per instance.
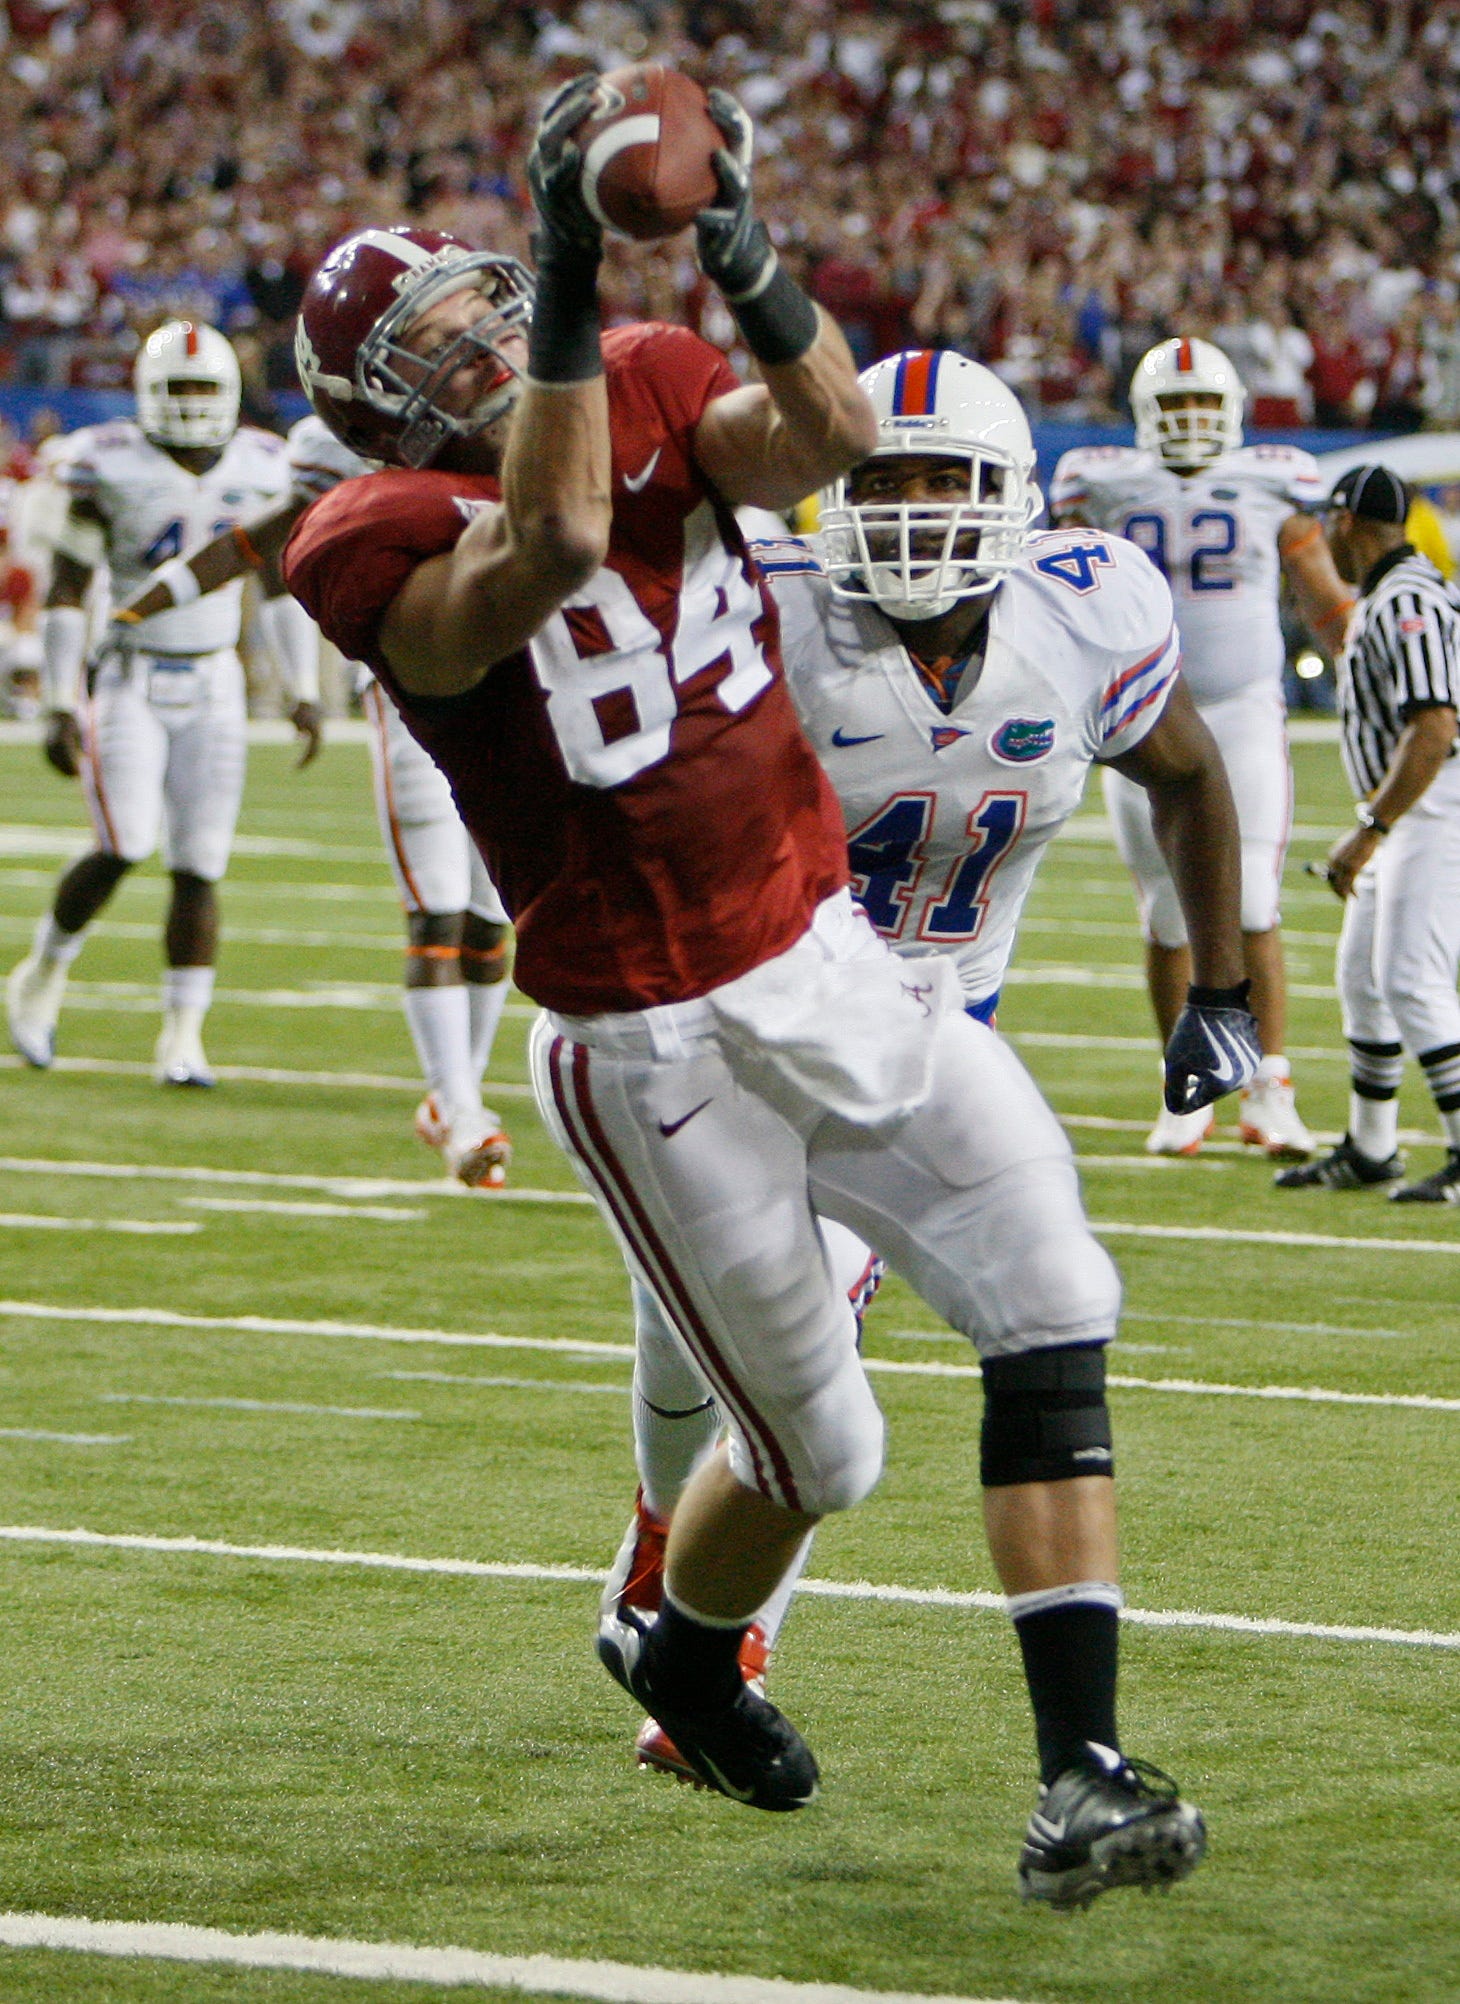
(948, 813)
(154, 509)
(318, 461)
(1214, 536)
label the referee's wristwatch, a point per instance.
(1367, 818)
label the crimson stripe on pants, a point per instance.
(623, 1200)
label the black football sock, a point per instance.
(692, 1666)
(1070, 1657)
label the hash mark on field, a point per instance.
(855, 1590)
(385, 1214)
(508, 1384)
(444, 1968)
(22, 1221)
(64, 1439)
(254, 1406)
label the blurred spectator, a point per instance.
(1050, 188)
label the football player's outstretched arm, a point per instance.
(1324, 601)
(460, 613)
(63, 629)
(1181, 769)
(774, 442)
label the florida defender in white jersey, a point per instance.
(1223, 522)
(159, 741)
(457, 953)
(957, 677)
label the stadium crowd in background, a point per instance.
(1048, 187)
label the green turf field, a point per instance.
(276, 1743)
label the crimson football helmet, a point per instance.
(1186, 435)
(375, 395)
(917, 559)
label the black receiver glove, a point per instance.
(555, 174)
(1213, 1050)
(779, 323)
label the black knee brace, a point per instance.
(1045, 1417)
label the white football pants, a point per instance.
(165, 750)
(436, 864)
(710, 1163)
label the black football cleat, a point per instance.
(1342, 1168)
(1442, 1186)
(1108, 1822)
(745, 1749)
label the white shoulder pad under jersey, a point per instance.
(318, 461)
(154, 509)
(947, 813)
(1214, 535)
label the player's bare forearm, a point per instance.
(1324, 601)
(1195, 822)
(232, 553)
(459, 614)
(772, 443)
(1422, 749)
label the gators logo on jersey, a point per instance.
(1023, 739)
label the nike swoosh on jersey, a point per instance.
(843, 743)
(668, 1127)
(636, 482)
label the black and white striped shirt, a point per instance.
(1404, 655)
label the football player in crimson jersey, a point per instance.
(163, 748)
(1225, 523)
(561, 604)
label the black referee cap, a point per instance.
(1373, 493)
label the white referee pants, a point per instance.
(709, 1164)
(1399, 948)
(435, 863)
(1251, 734)
(165, 749)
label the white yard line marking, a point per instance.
(64, 1439)
(1223, 1235)
(385, 1214)
(255, 1406)
(1162, 1163)
(509, 1384)
(21, 839)
(130, 929)
(270, 1325)
(332, 1186)
(1061, 1040)
(22, 1221)
(854, 1590)
(1282, 1328)
(493, 1089)
(445, 1968)
(1421, 1401)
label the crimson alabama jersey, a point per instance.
(636, 778)
(948, 812)
(1213, 535)
(153, 509)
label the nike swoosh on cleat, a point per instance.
(637, 482)
(842, 742)
(725, 1787)
(1053, 1831)
(668, 1127)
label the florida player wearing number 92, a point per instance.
(550, 583)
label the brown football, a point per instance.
(649, 147)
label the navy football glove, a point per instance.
(1213, 1050)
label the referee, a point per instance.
(1399, 871)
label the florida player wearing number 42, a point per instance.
(1220, 520)
(563, 608)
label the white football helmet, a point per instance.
(917, 559)
(1190, 437)
(183, 352)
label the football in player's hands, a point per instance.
(648, 146)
